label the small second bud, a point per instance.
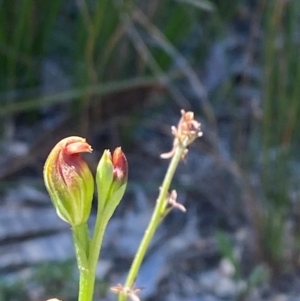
(111, 178)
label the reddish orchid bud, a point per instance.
(120, 165)
(69, 180)
(111, 178)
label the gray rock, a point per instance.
(25, 193)
(49, 248)
(16, 223)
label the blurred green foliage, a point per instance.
(280, 125)
(94, 43)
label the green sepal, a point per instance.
(104, 179)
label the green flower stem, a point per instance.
(81, 242)
(95, 247)
(157, 216)
(87, 254)
(86, 285)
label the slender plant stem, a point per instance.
(157, 216)
(87, 254)
(95, 247)
(96, 243)
(86, 285)
(81, 242)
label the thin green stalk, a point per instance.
(81, 242)
(95, 247)
(158, 214)
(86, 285)
(87, 275)
(87, 254)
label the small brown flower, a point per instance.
(172, 201)
(187, 130)
(131, 292)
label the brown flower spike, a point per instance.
(187, 130)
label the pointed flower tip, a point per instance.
(74, 145)
(120, 165)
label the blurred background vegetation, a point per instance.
(71, 66)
